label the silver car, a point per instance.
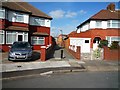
(20, 51)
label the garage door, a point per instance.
(85, 48)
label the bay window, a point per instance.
(10, 37)
(2, 13)
(113, 23)
(1, 37)
(112, 38)
(98, 24)
(19, 17)
(37, 21)
(26, 37)
(35, 40)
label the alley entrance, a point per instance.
(59, 53)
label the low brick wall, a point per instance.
(50, 50)
(76, 54)
(4, 48)
(111, 54)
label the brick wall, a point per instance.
(67, 43)
(76, 53)
(111, 54)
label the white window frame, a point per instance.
(17, 33)
(111, 22)
(2, 10)
(110, 40)
(17, 15)
(9, 32)
(98, 24)
(37, 38)
(25, 34)
(40, 21)
(3, 33)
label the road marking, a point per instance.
(45, 73)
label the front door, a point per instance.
(20, 37)
(96, 42)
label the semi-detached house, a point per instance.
(20, 21)
(103, 25)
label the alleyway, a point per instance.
(57, 54)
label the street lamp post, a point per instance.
(62, 54)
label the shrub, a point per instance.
(103, 43)
(114, 45)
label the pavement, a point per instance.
(56, 64)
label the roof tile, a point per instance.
(25, 7)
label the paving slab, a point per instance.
(32, 65)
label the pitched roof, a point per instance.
(25, 7)
(14, 6)
(73, 32)
(107, 14)
(86, 34)
(35, 11)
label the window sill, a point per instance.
(38, 44)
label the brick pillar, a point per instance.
(50, 40)
(78, 53)
(43, 53)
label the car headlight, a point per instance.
(11, 53)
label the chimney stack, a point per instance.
(111, 7)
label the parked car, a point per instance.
(20, 51)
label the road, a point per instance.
(65, 80)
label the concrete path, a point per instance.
(101, 65)
(33, 65)
(66, 54)
(88, 65)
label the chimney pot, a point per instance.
(111, 7)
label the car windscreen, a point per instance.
(21, 45)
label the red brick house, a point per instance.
(20, 21)
(60, 39)
(104, 25)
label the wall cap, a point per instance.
(43, 46)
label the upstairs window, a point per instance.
(39, 21)
(98, 24)
(19, 17)
(113, 23)
(2, 13)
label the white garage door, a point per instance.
(85, 48)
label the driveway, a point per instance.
(4, 59)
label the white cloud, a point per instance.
(67, 14)
(82, 12)
(57, 13)
(70, 14)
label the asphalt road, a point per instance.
(65, 80)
